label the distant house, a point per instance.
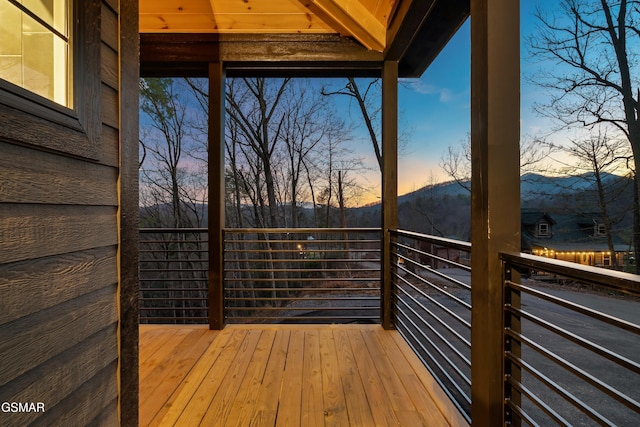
(574, 237)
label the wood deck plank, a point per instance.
(257, 375)
(245, 401)
(397, 393)
(335, 405)
(290, 395)
(198, 375)
(234, 378)
(201, 401)
(265, 411)
(356, 399)
(377, 396)
(429, 412)
(157, 340)
(170, 373)
(312, 402)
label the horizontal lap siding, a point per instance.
(58, 270)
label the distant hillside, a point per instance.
(444, 209)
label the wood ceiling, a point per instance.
(363, 20)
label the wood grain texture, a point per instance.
(59, 236)
(109, 147)
(109, 28)
(125, 151)
(286, 375)
(28, 342)
(68, 371)
(90, 399)
(110, 107)
(109, 66)
(33, 176)
(113, 4)
(49, 281)
(35, 231)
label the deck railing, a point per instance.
(572, 344)
(270, 275)
(173, 275)
(432, 301)
(302, 274)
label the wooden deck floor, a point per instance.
(286, 376)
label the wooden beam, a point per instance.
(216, 194)
(350, 17)
(495, 192)
(405, 25)
(190, 54)
(389, 181)
(440, 24)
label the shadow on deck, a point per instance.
(288, 375)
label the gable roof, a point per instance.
(570, 232)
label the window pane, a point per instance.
(33, 56)
(53, 12)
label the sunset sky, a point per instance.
(436, 107)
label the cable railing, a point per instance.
(173, 275)
(313, 275)
(572, 345)
(432, 299)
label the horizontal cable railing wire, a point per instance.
(287, 275)
(173, 275)
(572, 343)
(431, 289)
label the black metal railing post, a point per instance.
(512, 347)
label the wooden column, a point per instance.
(495, 191)
(216, 194)
(389, 181)
(128, 213)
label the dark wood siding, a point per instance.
(59, 237)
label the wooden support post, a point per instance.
(216, 194)
(495, 192)
(129, 209)
(389, 182)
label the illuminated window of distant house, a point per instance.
(543, 229)
(35, 47)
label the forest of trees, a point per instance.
(290, 162)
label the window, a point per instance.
(543, 229)
(41, 103)
(601, 230)
(35, 46)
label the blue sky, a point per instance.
(436, 107)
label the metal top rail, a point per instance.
(618, 280)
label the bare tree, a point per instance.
(597, 157)
(593, 45)
(456, 163)
(167, 176)
(254, 105)
(368, 102)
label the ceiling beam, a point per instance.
(441, 23)
(176, 55)
(405, 25)
(350, 17)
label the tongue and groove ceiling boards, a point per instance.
(364, 20)
(411, 32)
